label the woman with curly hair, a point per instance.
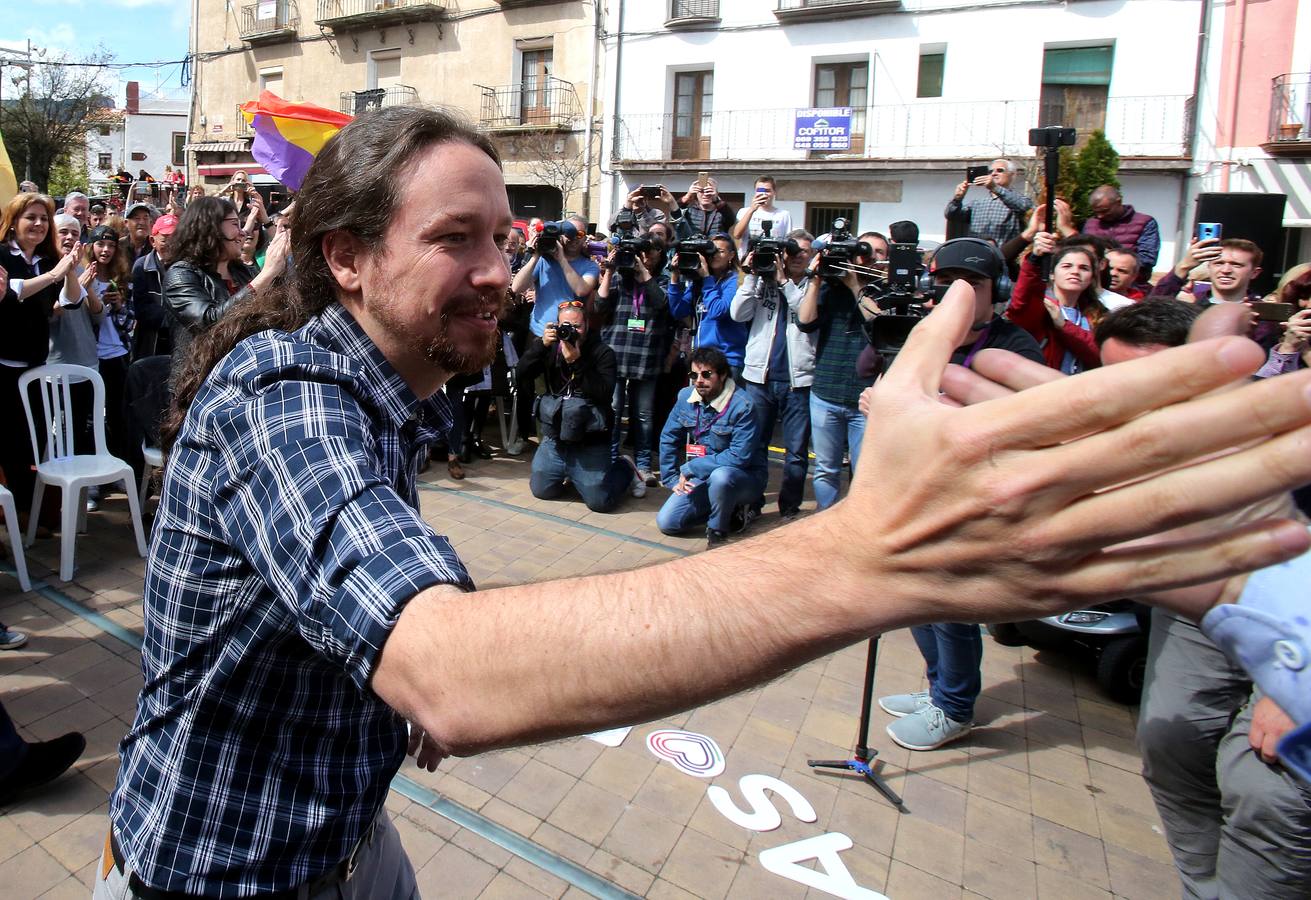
(32, 275)
(202, 282)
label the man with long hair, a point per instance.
(298, 609)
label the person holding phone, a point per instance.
(1233, 263)
(650, 204)
(762, 209)
(997, 217)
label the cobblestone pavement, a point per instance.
(1043, 799)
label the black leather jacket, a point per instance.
(196, 297)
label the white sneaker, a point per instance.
(927, 729)
(638, 485)
(649, 477)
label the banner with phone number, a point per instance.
(822, 128)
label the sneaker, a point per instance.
(927, 729)
(42, 764)
(515, 447)
(715, 538)
(649, 477)
(787, 515)
(637, 487)
(743, 516)
(11, 640)
(454, 468)
(904, 704)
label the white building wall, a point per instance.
(96, 144)
(151, 132)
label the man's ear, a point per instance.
(1256, 271)
(343, 252)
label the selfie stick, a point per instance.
(863, 760)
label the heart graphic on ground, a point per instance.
(690, 752)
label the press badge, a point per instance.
(637, 325)
(696, 450)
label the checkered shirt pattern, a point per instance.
(287, 543)
(996, 218)
(637, 354)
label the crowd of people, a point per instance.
(667, 353)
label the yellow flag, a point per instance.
(8, 181)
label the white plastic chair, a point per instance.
(72, 474)
(154, 459)
(11, 524)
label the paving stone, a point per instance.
(587, 812)
(643, 838)
(81, 842)
(1072, 807)
(620, 872)
(997, 874)
(1072, 852)
(507, 887)
(905, 882)
(930, 848)
(30, 873)
(454, 873)
(702, 865)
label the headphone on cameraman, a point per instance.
(1001, 283)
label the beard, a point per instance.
(439, 348)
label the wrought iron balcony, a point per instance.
(353, 15)
(818, 10)
(269, 22)
(691, 13)
(1290, 115)
(535, 103)
(928, 129)
(240, 127)
(356, 102)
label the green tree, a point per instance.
(1094, 165)
(69, 172)
(43, 122)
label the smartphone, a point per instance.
(650, 191)
(973, 172)
(591, 228)
(1207, 231)
(702, 179)
(1201, 289)
(1273, 312)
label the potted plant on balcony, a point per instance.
(1290, 131)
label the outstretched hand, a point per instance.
(1022, 504)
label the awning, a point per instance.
(216, 171)
(219, 146)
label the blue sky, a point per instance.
(133, 30)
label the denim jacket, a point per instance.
(730, 436)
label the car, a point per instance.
(1113, 634)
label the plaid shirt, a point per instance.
(638, 354)
(841, 338)
(288, 541)
(997, 217)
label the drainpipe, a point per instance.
(1237, 41)
(191, 107)
(1185, 183)
(591, 111)
(619, 80)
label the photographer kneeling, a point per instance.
(574, 414)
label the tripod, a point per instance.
(863, 760)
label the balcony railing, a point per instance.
(1137, 126)
(538, 103)
(240, 128)
(1290, 109)
(269, 21)
(356, 102)
(349, 15)
(684, 13)
(816, 10)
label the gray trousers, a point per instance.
(1237, 827)
(382, 872)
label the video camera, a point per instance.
(626, 244)
(688, 254)
(549, 235)
(902, 298)
(838, 254)
(766, 250)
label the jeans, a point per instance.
(642, 424)
(953, 652)
(775, 399)
(834, 429)
(1236, 826)
(600, 480)
(13, 749)
(711, 502)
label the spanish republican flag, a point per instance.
(8, 181)
(289, 135)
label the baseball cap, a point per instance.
(165, 224)
(154, 213)
(969, 255)
(102, 233)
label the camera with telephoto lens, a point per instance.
(549, 235)
(626, 243)
(838, 254)
(902, 300)
(689, 253)
(567, 332)
(766, 250)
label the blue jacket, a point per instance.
(717, 328)
(731, 438)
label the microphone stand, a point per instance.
(863, 761)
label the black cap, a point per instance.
(102, 233)
(970, 255)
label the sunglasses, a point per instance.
(571, 304)
(702, 376)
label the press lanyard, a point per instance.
(978, 345)
(697, 430)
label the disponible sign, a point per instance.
(823, 128)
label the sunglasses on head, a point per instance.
(571, 304)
